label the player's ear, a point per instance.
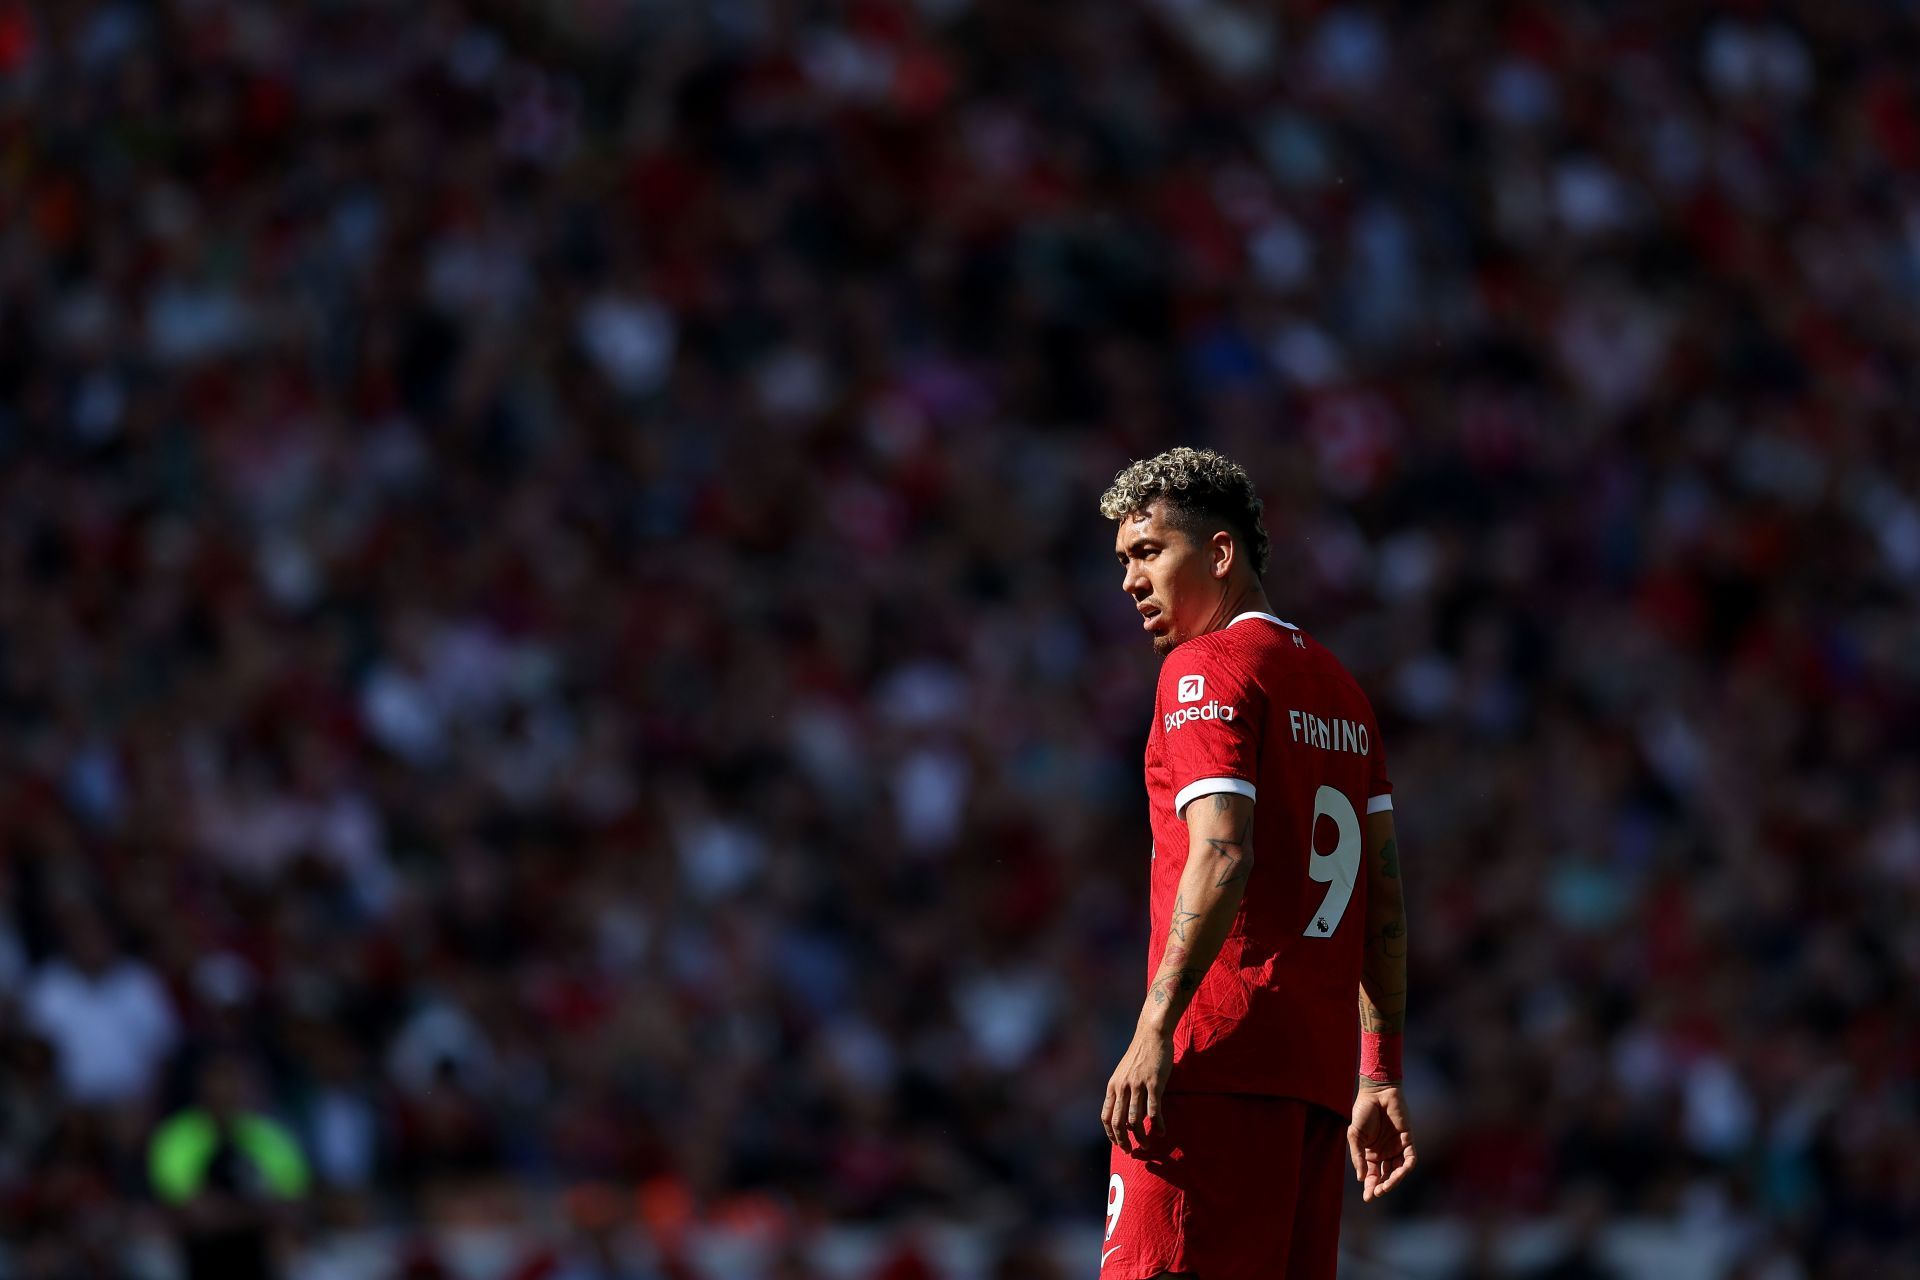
(1221, 554)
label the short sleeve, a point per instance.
(1212, 717)
(1379, 786)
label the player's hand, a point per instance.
(1134, 1091)
(1380, 1140)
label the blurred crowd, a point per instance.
(555, 632)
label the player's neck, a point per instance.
(1247, 598)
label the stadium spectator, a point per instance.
(226, 1171)
(106, 1015)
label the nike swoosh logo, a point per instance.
(1109, 1253)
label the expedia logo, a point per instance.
(1215, 710)
(1192, 688)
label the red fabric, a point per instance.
(1268, 705)
(1380, 1057)
(1228, 1188)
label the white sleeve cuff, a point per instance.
(1209, 787)
(1380, 804)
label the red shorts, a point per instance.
(1229, 1187)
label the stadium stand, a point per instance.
(552, 605)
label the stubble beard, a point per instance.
(1164, 645)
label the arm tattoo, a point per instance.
(1383, 985)
(1239, 858)
(1181, 917)
(1193, 936)
(1176, 976)
(1378, 1021)
(1177, 981)
(1391, 939)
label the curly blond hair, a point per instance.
(1203, 490)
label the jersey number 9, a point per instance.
(1336, 870)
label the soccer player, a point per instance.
(1228, 1110)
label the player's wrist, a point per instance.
(1381, 1055)
(1154, 1021)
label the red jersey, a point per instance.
(1261, 709)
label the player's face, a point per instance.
(1168, 575)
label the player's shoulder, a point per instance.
(1247, 647)
(1265, 650)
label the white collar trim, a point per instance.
(1255, 613)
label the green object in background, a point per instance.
(184, 1148)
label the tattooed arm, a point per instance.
(1380, 1138)
(1219, 860)
(1383, 965)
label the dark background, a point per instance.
(552, 602)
